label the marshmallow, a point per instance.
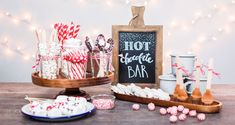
(201, 116)
(180, 108)
(151, 107)
(135, 106)
(182, 117)
(193, 113)
(163, 111)
(186, 111)
(173, 118)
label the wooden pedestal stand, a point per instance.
(72, 87)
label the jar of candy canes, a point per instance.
(74, 59)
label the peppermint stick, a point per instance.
(109, 51)
(89, 47)
(197, 73)
(179, 78)
(210, 74)
(101, 44)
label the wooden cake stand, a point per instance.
(72, 87)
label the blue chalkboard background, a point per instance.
(130, 44)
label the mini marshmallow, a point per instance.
(182, 117)
(151, 107)
(136, 107)
(180, 108)
(169, 109)
(201, 116)
(186, 111)
(173, 118)
(163, 111)
(193, 113)
(174, 111)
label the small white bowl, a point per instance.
(168, 83)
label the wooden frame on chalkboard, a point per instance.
(157, 29)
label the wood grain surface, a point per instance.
(12, 99)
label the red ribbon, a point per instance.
(181, 68)
(201, 70)
(213, 71)
(44, 58)
(76, 59)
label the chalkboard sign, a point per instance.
(137, 54)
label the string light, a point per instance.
(168, 33)
(127, 1)
(232, 18)
(95, 32)
(18, 50)
(26, 19)
(109, 3)
(8, 52)
(202, 39)
(198, 16)
(146, 3)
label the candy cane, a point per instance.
(77, 67)
(76, 30)
(73, 69)
(80, 65)
(71, 30)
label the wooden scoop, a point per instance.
(207, 97)
(180, 93)
(177, 89)
(196, 94)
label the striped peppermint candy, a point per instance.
(182, 117)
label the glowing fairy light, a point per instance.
(109, 3)
(95, 32)
(16, 21)
(8, 52)
(209, 16)
(18, 48)
(220, 29)
(214, 38)
(168, 33)
(33, 27)
(145, 3)
(26, 57)
(127, 1)
(202, 39)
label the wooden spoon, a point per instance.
(180, 92)
(207, 97)
(177, 87)
(196, 94)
